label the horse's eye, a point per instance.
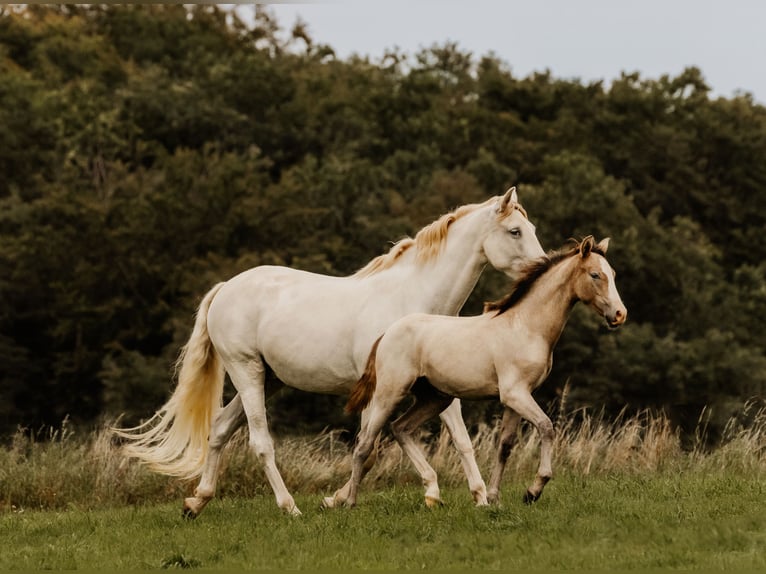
(595, 275)
(515, 231)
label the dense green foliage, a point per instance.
(147, 152)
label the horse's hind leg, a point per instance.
(452, 417)
(228, 420)
(507, 439)
(426, 407)
(249, 377)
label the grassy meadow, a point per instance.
(624, 496)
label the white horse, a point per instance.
(507, 352)
(315, 332)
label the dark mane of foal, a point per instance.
(536, 269)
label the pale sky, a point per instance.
(584, 39)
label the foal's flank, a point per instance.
(506, 352)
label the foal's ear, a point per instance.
(586, 245)
(509, 197)
(603, 245)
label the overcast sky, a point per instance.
(584, 39)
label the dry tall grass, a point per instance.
(63, 469)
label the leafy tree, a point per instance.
(147, 152)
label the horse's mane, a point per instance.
(535, 269)
(427, 242)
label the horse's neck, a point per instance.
(550, 301)
(448, 280)
(442, 285)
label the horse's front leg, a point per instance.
(523, 403)
(508, 427)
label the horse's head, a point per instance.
(594, 282)
(511, 240)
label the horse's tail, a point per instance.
(175, 440)
(363, 389)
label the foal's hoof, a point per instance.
(432, 502)
(188, 514)
(529, 498)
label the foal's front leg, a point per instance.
(452, 417)
(523, 403)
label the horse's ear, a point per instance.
(603, 245)
(586, 245)
(509, 197)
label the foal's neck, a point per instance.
(550, 300)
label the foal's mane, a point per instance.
(535, 269)
(428, 241)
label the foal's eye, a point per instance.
(595, 275)
(515, 231)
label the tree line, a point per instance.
(147, 152)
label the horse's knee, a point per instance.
(400, 430)
(545, 428)
(262, 448)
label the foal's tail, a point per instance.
(175, 440)
(363, 389)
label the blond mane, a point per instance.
(428, 241)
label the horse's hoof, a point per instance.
(529, 498)
(328, 502)
(493, 499)
(294, 511)
(432, 502)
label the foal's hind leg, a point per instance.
(452, 417)
(341, 495)
(507, 439)
(228, 420)
(426, 407)
(380, 408)
(249, 377)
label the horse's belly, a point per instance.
(327, 377)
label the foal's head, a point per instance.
(594, 281)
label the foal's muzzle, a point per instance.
(616, 318)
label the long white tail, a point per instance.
(175, 440)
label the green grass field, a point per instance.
(667, 521)
(625, 495)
